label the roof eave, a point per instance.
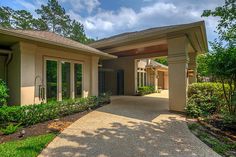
(27, 37)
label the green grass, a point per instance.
(28, 147)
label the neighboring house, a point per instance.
(152, 73)
(39, 66)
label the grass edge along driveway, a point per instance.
(28, 147)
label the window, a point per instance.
(51, 76)
(65, 76)
(78, 80)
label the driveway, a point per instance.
(130, 126)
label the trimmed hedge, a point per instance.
(32, 114)
(146, 90)
(205, 99)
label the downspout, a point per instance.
(7, 61)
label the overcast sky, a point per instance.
(104, 18)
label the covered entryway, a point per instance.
(180, 43)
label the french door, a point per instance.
(63, 79)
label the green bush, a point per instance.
(146, 90)
(10, 129)
(205, 99)
(32, 114)
(3, 93)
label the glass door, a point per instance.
(65, 79)
(51, 80)
(78, 78)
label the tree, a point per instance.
(227, 20)
(222, 64)
(55, 16)
(5, 17)
(162, 60)
(202, 67)
(22, 19)
(77, 32)
(222, 59)
(52, 18)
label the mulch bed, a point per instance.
(56, 126)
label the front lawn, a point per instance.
(28, 147)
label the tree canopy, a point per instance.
(52, 17)
(221, 61)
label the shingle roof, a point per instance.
(52, 38)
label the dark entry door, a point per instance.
(120, 82)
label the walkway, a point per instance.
(129, 127)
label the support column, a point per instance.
(156, 79)
(177, 62)
(94, 75)
(192, 66)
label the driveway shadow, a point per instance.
(138, 139)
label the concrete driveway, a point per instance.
(129, 127)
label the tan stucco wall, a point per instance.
(32, 65)
(160, 80)
(166, 80)
(2, 69)
(128, 65)
(14, 76)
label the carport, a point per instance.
(180, 43)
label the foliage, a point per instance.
(202, 67)
(221, 64)
(30, 146)
(223, 147)
(52, 17)
(162, 60)
(55, 16)
(205, 99)
(32, 114)
(146, 90)
(222, 59)
(3, 93)
(10, 129)
(227, 20)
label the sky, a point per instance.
(104, 18)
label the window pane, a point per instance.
(141, 79)
(65, 67)
(78, 80)
(138, 79)
(51, 75)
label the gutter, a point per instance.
(7, 61)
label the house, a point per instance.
(41, 66)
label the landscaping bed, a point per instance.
(220, 143)
(21, 137)
(52, 126)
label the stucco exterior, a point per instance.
(32, 65)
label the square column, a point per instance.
(178, 65)
(94, 76)
(192, 66)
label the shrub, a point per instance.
(3, 93)
(32, 114)
(204, 99)
(10, 129)
(146, 90)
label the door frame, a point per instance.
(59, 76)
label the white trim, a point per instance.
(59, 76)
